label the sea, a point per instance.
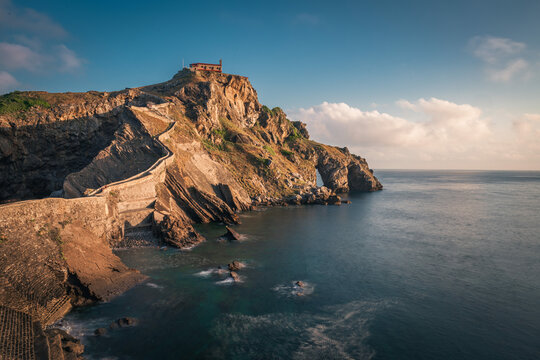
(438, 265)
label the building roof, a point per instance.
(204, 64)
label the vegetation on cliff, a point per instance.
(19, 102)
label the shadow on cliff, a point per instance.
(35, 159)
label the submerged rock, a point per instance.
(100, 331)
(235, 265)
(235, 276)
(123, 322)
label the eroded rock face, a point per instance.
(131, 151)
(94, 271)
(178, 233)
(41, 146)
(342, 171)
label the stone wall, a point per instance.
(97, 214)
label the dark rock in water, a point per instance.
(300, 284)
(231, 234)
(235, 265)
(294, 200)
(334, 200)
(178, 233)
(123, 322)
(100, 331)
(64, 346)
(345, 201)
(234, 275)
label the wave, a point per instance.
(292, 289)
(336, 332)
(212, 271)
(221, 270)
(81, 329)
(154, 286)
(229, 281)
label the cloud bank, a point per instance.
(435, 133)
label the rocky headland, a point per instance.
(84, 173)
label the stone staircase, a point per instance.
(137, 195)
(137, 217)
(16, 335)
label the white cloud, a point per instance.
(15, 56)
(69, 61)
(510, 71)
(7, 82)
(503, 58)
(492, 49)
(404, 104)
(28, 20)
(56, 58)
(527, 128)
(438, 134)
(445, 121)
(29, 42)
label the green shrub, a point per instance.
(294, 135)
(272, 112)
(18, 102)
(286, 152)
(222, 133)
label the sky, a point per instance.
(406, 84)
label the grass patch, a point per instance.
(18, 102)
(211, 147)
(286, 152)
(269, 150)
(259, 161)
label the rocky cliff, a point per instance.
(231, 152)
(197, 148)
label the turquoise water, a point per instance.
(439, 265)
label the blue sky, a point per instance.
(300, 55)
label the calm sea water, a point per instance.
(439, 265)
